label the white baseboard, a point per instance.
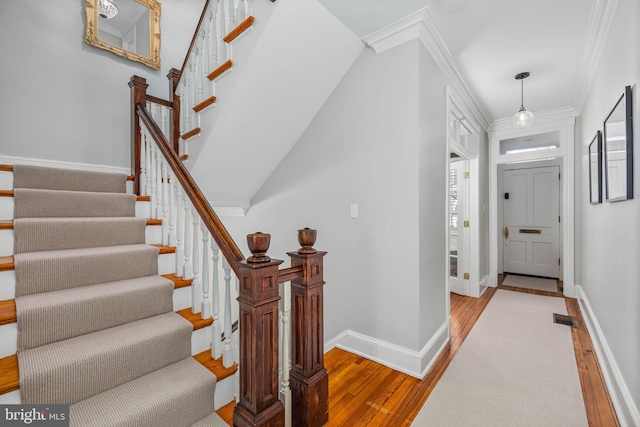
(410, 362)
(569, 289)
(12, 160)
(493, 281)
(626, 409)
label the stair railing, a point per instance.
(209, 57)
(190, 225)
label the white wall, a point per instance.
(610, 248)
(65, 100)
(433, 195)
(362, 147)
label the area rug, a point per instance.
(528, 282)
(516, 368)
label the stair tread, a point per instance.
(215, 365)
(220, 70)
(8, 225)
(195, 319)
(153, 399)
(8, 307)
(212, 420)
(240, 28)
(9, 193)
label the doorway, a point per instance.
(531, 220)
(458, 235)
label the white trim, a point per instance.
(401, 359)
(600, 22)
(627, 411)
(423, 26)
(230, 211)
(12, 160)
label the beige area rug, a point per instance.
(516, 368)
(527, 282)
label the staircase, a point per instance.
(87, 319)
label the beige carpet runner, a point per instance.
(515, 369)
(96, 327)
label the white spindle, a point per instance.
(180, 258)
(153, 181)
(216, 327)
(147, 167)
(196, 287)
(206, 284)
(159, 195)
(143, 166)
(227, 23)
(246, 8)
(219, 22)
(164, 112)
(200, 72)
(285, 389)
(165, 203)
(188, 265)
(227, 353)
(173, 208)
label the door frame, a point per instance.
(562, 121)
(475, 285)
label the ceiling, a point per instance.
(494, 40)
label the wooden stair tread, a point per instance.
(191, 133)
(179, 282)
(184, 157)
(8, 313)
(220, 70)
(6, 168)
(9, 193)
(195, 319)
(215, 365)
(9, 375)
(241, 28)
(8, 225)
(165, 249)
(7, 263)
(204, 104)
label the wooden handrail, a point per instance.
(193, 41)
(200, 203)
(160, 101)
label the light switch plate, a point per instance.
(354, 211)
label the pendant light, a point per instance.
(107, 9)
(523, 118)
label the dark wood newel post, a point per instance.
(173, 76)
(138, 87)
(258, 297)
(308, 378)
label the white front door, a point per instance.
(531, 232)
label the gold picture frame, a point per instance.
(92, 35)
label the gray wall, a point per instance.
(610, 250)
(65, 100)
(379, 142)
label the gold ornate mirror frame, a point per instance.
(91, 35)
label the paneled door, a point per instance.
(531, 232)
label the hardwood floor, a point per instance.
(365, 393)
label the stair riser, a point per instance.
(6, 180)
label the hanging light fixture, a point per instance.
(107, 9)
(523, 118)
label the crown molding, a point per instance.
(541, 119)
(423, 26)
(600, 22)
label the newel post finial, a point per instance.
(258, 243)
(307, 238)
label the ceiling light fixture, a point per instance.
(523, 118)
(107, 9)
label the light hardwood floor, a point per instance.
(365, 393)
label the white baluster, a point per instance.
(188, 266)
(147, 167)
(163, 113)
(153, 181)
(285, 389)
(143, 167)
(227, 352)
(158, 207)
(180, 234)
(227, 18)
(219, 24)
(173, 208)
(206, 302)
(196, 286)
(186, 100)
(216, 327)
(165, 203)
(236, 13)
(246, 9)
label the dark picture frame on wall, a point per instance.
(595, 169)
(618, 150)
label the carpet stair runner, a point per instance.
(96, 328)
